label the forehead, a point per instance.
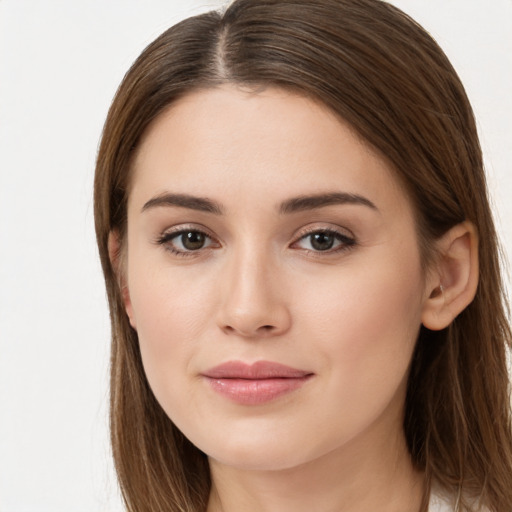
(262, 144)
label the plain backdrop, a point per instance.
(60, 64)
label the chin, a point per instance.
(266, 452)
(257, 460)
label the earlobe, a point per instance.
(454, 280)
(117, 260)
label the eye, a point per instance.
(325, 240)
(185, 241)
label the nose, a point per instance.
(252, 302)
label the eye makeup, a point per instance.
(326, 241)
(186, 241)
(191, 241)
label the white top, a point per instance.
(440, 504)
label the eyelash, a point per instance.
(166, 238)
(345, 242)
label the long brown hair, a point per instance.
(381, 72)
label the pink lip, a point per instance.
(255, 384)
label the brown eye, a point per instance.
(186, 241)
(322, 241)
(192, 240)
(325, 241)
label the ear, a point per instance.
(118, 262)
(453, 281)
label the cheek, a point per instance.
(365, 322)
(171, 314)
(360, 330)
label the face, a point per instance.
(273, 277)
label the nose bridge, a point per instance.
(252, 304)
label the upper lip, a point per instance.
(255, 371)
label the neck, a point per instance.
(374, 473)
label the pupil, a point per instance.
(322, 241)
(192, 240)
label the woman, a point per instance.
(302, 269)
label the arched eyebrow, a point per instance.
(292, 205)
(304, 203)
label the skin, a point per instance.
(258, 290)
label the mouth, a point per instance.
(257, 383)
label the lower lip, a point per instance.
(255, 391)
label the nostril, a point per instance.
(261, 330)
(266, 329)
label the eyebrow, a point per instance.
(293, 205)
(304, 203)
(201, 204)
